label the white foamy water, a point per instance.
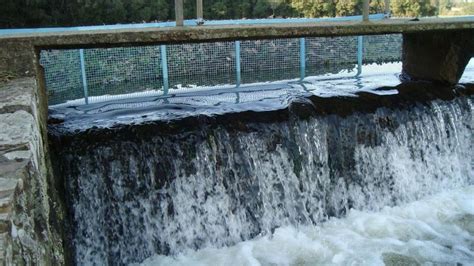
(437, 230)
(200, 195)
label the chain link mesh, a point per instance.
(330, 55)
(269, 60)
(382, 48)
(115, 72)
(201, 64)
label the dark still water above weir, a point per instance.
(212, 183)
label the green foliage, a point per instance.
(219, 9)
(261, 9)
(377, 6)
(43, 13)
(348, 7)
(410, 8)
(453, 7)
(314, 8)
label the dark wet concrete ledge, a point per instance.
(298, 107)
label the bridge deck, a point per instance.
(143, 36)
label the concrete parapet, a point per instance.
(17, 51)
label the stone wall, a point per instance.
(30, 213)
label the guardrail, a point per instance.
(19, 47)
(159, 73)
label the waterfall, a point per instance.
(132, 195)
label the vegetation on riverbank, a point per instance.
(42, 13)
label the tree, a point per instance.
(219, 10)
(160, 10)
(47, 13)
(274, 4)
(348, 7)
(314, 8)
(377, 6)
(244, 9)
(262, 9)
(409, 8)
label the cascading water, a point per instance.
(141, 191)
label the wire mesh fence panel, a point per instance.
(269, 60)
(62, 75)
(382, 48)
(201, 64)
(123, 70)
(325, 55)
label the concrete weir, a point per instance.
(31, 209)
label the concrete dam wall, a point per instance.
(170, 186)
(166, 178)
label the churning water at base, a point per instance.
(438, 230)
(138, 195)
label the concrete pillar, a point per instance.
(178, 8)
(437, 56)
(16, 59)
(365, 10)
(199, 10)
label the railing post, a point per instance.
(360, 53)
(178, 8)
(365, 10)
(83, 75)
(387, 9)
(199, 10)
(237, 62)
(302, 58)
(164, 69)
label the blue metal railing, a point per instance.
(360, 49)
(302, 58)
(237, 63)
(164, 69)
(165, 53)
(83, 75)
